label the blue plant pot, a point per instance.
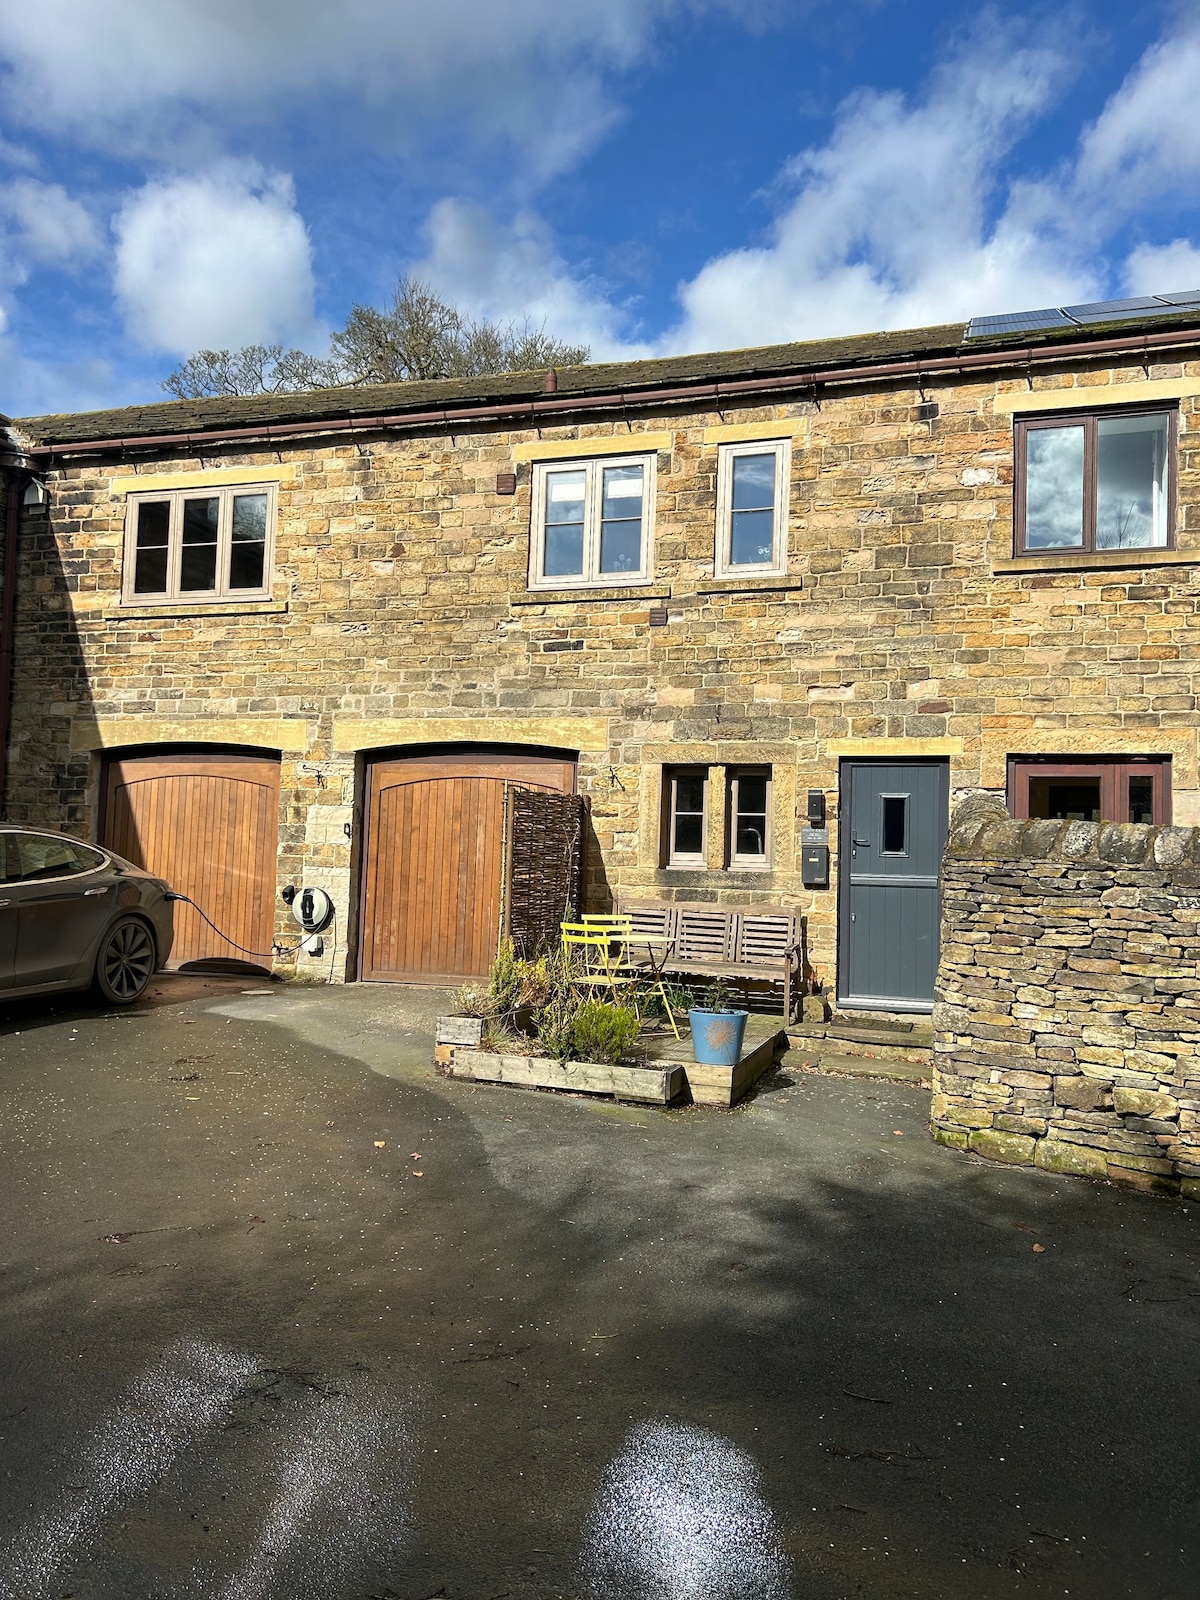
(717, 1037)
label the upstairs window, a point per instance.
(1095, 481)
(592, 523)
(752, 483)
(212, 544)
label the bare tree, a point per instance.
(254, 369)
(419, 337)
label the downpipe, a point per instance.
(14, 468)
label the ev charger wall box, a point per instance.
(313, 910)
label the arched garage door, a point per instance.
(207, 822)
(433, 859)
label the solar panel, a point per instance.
(1080, 316)
(1016, 322)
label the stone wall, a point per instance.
(903, 626)
(1067, 1027)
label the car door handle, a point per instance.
(5, 902)
(96, 891)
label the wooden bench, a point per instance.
(753, 943)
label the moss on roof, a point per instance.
(321, 405)
(186, 416)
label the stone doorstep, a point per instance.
(845, 1066)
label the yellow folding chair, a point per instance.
(619, 930)
(595, 958)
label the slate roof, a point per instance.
(600, 378)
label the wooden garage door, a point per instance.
(432, 865)
(209, 825)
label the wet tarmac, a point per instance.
(284, 1315)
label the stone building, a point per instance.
(304, 639)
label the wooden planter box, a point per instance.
(658, 1084)
(459, 1030)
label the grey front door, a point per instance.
(892, 830)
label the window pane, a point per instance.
(1141, 799)
(1065, 799)
(563, 556)
(895, 824)
(1131, 482)
(150, 560)
(249, 517)
(754, 482)
(689, 835)
(246, 562)
(198, 567)
(621, 520)
(752, 539)
(1054, 488)
(687, 814)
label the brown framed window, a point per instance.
(1095, 481)
(749, 813)
(1097, 789)
(685, 817)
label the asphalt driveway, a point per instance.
(285, 1315)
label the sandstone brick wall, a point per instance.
(1067, 1026)
(400, 611)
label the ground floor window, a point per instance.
(1096, 789)
(685, 814)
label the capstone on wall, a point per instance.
(401, 612)
(1067, 1024)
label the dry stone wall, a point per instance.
(1067, 1026)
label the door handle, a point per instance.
(5, 902)
(865, 843)
(95, 891)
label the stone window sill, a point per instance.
(208, 608)
(581, 594)
(1097, 560)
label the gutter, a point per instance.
(537, 406)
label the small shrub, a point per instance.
(717, 997)
(603, 1032)
(505, 980)
(555, 1025)
(470, 1002)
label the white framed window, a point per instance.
(749, 815)
(752, 508)
(200, 544)
(685, 812)
(592, 522)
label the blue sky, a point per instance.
(647, 176)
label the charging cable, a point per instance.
(277, 948)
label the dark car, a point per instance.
(73, 916)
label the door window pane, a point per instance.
(752, 530)
(248, 541)
(895, 824)
(621, 520)
(1054, 488)
(750, 817)
(565, 497)
(150, 557)
(198, 565)
(687, 816)
(1131, 482)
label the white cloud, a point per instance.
(516, 271)
(901, 219)
(1163, 268)
(1141, 144)
(176, 74)
(44, 225)
(216, 259)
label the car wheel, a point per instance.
(125, 962)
